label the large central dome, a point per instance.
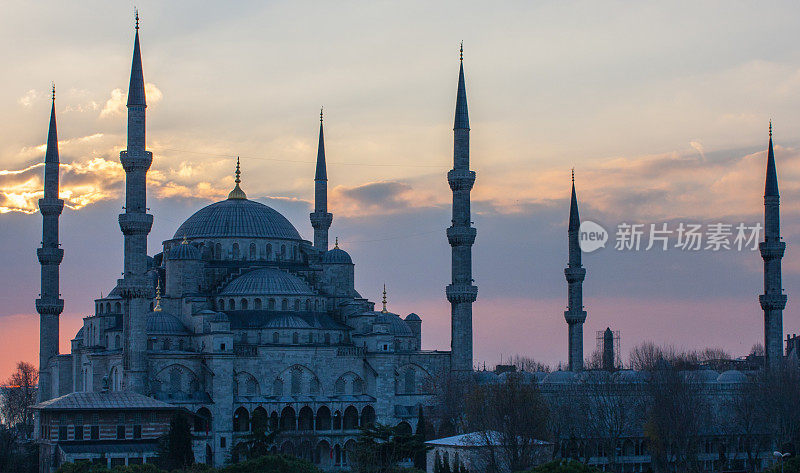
(237, 218)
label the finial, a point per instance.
(770, 128)
(136, 15)
(384, 299)
(461, 52)
(337, 243)
(53, 84)
(573, 175)
(157, 308)
(320, 114)
(185, 241)
(237, 192)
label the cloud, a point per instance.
(116, 104)
(29, 98)
(378, 197)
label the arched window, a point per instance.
(284, 304)
(252, 387)
(231, 304)
(116, 341)
(283, 252)
(241, 420)
(297, 305)
(117, 306)
(308, 305)
(275, 337)
(410, 382)
(295, 338)
(167, 344)
(202, 421)
(257, 303)
(357, 386)
(217, 251)
(288, 419)
(252, 251)
(313, 387)
(323, 418)
(174, 380)
(221, 304)
(235, 251)
(271, 304)
(367, 416)
(277, 387)
(294, 253)
(350, 419)
(316, 304)
(297, 381)
(306, 418)
(243, 304)
(99, 309)
(269, 251)
(180, 344)
(327, 339)
(338, 387)
(310, 337)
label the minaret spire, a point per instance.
(461, 293)
(135, 223)
(575, 273)
(320, 218)
(49, 305)
(237, 192)
(773, 301)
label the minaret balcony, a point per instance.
(457, 293)
(49, 256)
(321, 219)
(135, 223)
(136, 163)
(51, 206)
(461, 179)
(134, 289)
(49, 306)
(461, 236)
(575, 317)
(772, 250)
(574, 275)
(772, 301)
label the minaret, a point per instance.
(135, 224)
(320, 218)
(49, 304)
(461, 292)
(575, 274)
(773, 301)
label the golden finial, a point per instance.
(337, 243)
(461, 52)
(770, 128)
(184, 241)
(157, 308)
(237, 192)
(53, 84)
(136, 15)
(320, 114)
(573, 175)
(384, 299)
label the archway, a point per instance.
(324, 454)
(350, 420)
(259, 419)
(202, 421)
(404, 428)
(209, 455)
(323, 419)
(287, 448)
(241, 420)
(367, 416)
(306, 419)
(288, 419)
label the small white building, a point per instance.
(478, 450)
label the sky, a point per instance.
(661, 108)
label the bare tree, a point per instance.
(757, 350)
(613, 410)
(677, 413)
(742, 417)
(18, 397)
(645, 356)
(781, 392)
(594, 361)
(512, 419)
(450, 391)
(526, 363)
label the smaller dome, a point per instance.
(631, 376)
(559, 377)
(412, 317)
(184, 251)
(485, 377)
(160, 322)
(219, 317)
(732, 376)
(396, 325)
(336, 256)
(267, 281)
(700, 376)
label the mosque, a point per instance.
(238, 319)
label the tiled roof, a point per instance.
(110, 447)
(103, 401)
(237, 218)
